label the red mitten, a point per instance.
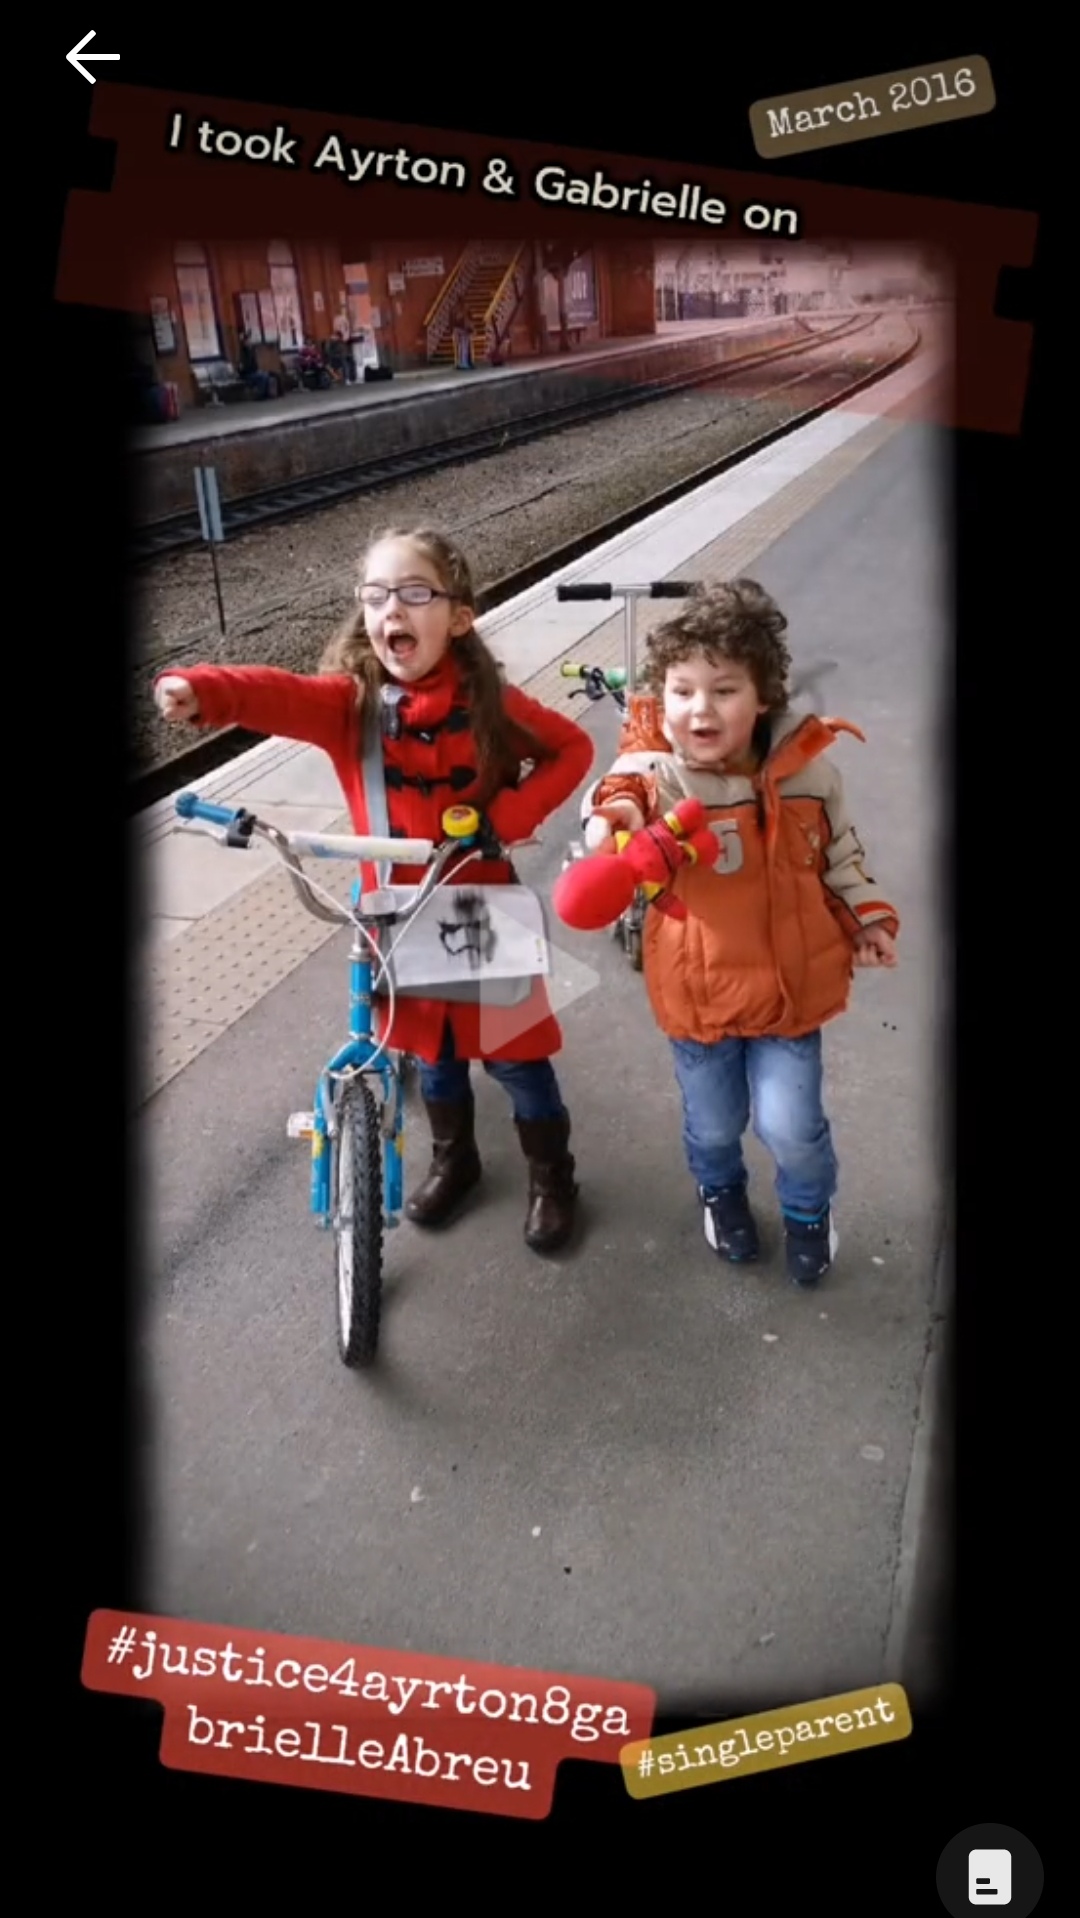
(592, 892)
(657, 851)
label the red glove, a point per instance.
(681, 837)
(593, 892)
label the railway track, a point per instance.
(149, 788)
(182, 530)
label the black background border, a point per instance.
(871, 1827)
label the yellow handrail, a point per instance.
(503, 284)
(444, 290)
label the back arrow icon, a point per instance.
(73, 56)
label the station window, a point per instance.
(196, 291)
(285, 287)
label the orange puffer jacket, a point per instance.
(766, 948)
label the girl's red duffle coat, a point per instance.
(436, 754)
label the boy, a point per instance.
(746, 957)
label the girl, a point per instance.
(460, 737)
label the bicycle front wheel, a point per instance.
(358, 1225)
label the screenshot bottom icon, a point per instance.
(990, 1877)
(990, 1865)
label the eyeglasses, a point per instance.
(408, 595)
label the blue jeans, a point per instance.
(780, 1081)
(531, 1083)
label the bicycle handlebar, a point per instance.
(189, 807)
(463, 825)
(405, 852)
(612, 678)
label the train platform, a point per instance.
(626, 1460)
(303, 437)
(200, 903)
(215, 422)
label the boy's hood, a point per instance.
(797, 738)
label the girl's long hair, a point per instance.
(502, 747)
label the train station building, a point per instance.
(377, 308)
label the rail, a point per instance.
(151, 787)
(178, 530)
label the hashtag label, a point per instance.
(708, 1754)
(320, 1715)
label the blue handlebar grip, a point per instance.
(190, 807)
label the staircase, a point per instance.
(489, 281)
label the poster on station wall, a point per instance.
(197, 312)
(361, 318)
(161, 321)
(250, 317)
(268, 316)
(286, 291)
(581, 309)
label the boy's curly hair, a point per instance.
(737, 620)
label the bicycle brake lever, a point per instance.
(221, 835)
(487, 841)
(240, 832)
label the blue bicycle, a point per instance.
(357, 1126)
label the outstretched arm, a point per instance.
(263, 699)
(628, 796)
(632, 793)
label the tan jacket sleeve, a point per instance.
(853, 894)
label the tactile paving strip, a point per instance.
(204, 981)
(207, 978)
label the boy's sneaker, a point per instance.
(729, 1225)
(811, 1246)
